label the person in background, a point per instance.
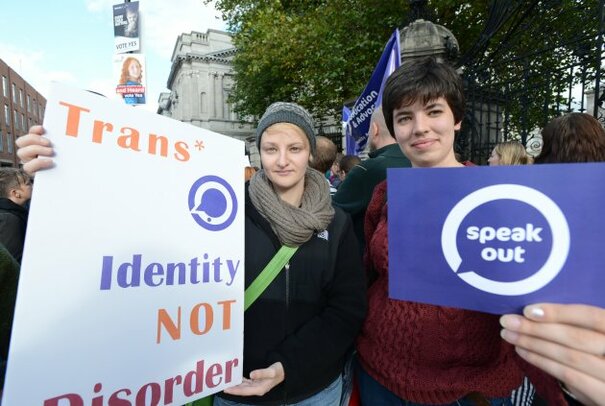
(301, 330)
(9, 279)
(509, 153)
(334, 177)
(325, 154)
(16, 190)
(355, 192)
(345, 165)
(566, 340)
(415, 353)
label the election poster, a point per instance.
(126, 27)
(130, 77)
(132, 281)
(495, 239)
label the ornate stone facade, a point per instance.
(200, 82)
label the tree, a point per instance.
(321, 53)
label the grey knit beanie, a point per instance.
(282, 112)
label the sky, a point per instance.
(71, 41)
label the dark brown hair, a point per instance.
(348, 162)
(425, 80)
(574, 137)
(11, 178)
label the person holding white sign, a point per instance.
(566, 340)
(300, 331)
(415, 353)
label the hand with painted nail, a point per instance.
(34, 150)
(567, 341)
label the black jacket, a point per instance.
(13, 223)
(309, 316)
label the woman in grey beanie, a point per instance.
(300, 331)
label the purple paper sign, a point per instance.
(495, 239)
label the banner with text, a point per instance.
(361, 114)
(495, 239)
(126, 27)
(131, 288)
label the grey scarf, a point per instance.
(294, 225)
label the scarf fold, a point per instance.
(293, 225)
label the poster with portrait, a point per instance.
(129, 74)
(126, 27)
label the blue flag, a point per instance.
(358, 124)
(350, 146)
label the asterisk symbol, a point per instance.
(199, 145)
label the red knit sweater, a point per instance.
(433, 354)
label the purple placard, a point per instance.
(495, 239)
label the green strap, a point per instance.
(264, 279)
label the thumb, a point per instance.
(266, 373)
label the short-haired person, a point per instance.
(324, 157)
(414, 353)
(346, 164)
(355, 192)
(15, 192)
(325, 154)
(300, 331)
(566, 340)
(509, 153)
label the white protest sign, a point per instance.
(131, 289)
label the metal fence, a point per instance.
(533, 73)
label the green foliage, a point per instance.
(321, 53)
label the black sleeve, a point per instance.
(11, 235)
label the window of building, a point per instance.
(29, 104)
(1, 141)
(14, 93)
(35, 107)
(23, 123)
(7, 115)
(16, 119)
(21, 98)
(9, 143)
(4, 86)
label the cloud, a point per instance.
(100, 5)
(163, 22)
(30, 65)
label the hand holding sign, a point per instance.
(567, 341)
(32, 150)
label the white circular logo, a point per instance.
(549, 209)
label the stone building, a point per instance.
(200, 82)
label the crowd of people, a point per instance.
(329, 310)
